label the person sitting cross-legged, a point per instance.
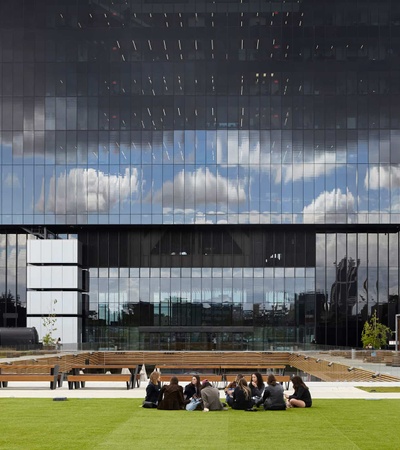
(152, 391)
(242, 396)
(273, 398)
(210, 397)
(192, 394)
(171, 396)
(230, 388)
(257, 387)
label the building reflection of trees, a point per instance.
(12, 312)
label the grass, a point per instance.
(121, 424)
(382, 389)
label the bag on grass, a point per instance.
(148, 404)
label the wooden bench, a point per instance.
(102, 372)
(264, 370)
(80, 380)
(187, 378)
(212, 374)
(191, 359)
(30, 372)
(283, 379)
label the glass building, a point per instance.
(230, 170)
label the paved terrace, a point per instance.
(319, 389)
(322, 390)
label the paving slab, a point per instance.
(323, 390)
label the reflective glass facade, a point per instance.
(228, 164)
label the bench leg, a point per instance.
(5, 383)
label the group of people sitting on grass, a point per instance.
(239, 394)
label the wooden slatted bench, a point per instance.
(78, 379)
(31, 372)
(229, 371)
(212, 374)
(263, 369)
(283, 379)
(187, 378)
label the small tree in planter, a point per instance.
(49, 323)
(374, 333)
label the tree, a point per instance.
(49, 323)
(374, 333)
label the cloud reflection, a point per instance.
(334, 202)
(87, 191)
(200, 187)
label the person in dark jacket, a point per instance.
(242, 396)
(230, 388)
(257, 387)
(152, 390)
(171, 396)
(273, 398)
(301, 398)
(192, 389)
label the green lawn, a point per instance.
(121, 424)
(384, 389)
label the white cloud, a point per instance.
(87, 191)
(11, 181)
(328, 203)
(387, 177)
(201, 187)
(323, 164)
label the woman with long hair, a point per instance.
(230, 388)
(257, 387)
(171, 395)
(152, 391)
(192, 394)
(273, 398)
(301, 398)
(242, 396)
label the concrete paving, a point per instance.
(324, 390)
(319, 389)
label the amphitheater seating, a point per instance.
(218, 363)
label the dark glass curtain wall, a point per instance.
(231, 167)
